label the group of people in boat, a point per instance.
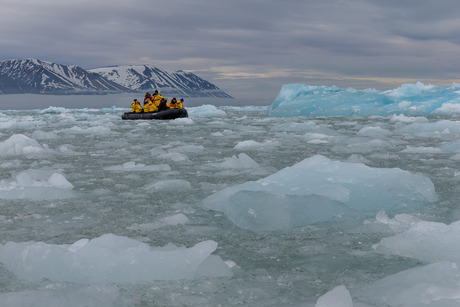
(155, 103)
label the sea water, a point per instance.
(98, 211)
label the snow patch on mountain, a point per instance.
(141, 78)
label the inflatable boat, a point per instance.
(166, 114)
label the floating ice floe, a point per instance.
(133, 166)
(172, 185)
(205, 110)
(427, 241)
(253, 145)
(242, 161)
(37, 185)
(21, 145)
(435, 284)
(318, 189)
(110, 259)
(337, 297)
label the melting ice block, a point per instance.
(435, 284)
(427, 241)
(19, 144)
(318, 189)
(110, 258)
(38, 185)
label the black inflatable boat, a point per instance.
(166, 114)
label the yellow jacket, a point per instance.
(156, 99)
(136, 107)
(172, 104)
(150, 107)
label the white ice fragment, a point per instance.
(431, 285)
(337, 297)
(19, 144)
(176, 219)
(254, 145)
(205, 110)
(111, 259)
(427, 241)
(169, 185)
(242, 161)
(57, 180)
(139, 167)
(78, 245)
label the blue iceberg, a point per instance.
(409, 99)
(318, 190)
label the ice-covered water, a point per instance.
(359, 210)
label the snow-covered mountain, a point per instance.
(144, 78)
(41, 77)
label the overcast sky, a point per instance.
(248, 48)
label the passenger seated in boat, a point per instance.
(136, 106)
(150, 107)
(179, 104)
(147, 98)
(162, 106)
(156, 98)
(172, 103)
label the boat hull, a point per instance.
(162, 115)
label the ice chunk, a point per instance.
(58, 180)
(337, 297)
(19, 144)
(242, 161)
(38, 185)
(173, 185)
(205, 110)
(136, 167)
(448, 108)
(453, 146)
(422, 149)
(408, 99)
(398, 223)
(318, 189)
(427, 241)
(441, 127)
(110, 258)
(374, 132)
(253, 145)
(431, 285)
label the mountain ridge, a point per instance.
(142, 78)
(35, 76)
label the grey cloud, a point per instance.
(354, 38)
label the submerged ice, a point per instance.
(318, 189)
(409, 99)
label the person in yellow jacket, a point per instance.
(136, 106)
(179, 104)
(172, 103)
(150, 107)
(156, 98)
